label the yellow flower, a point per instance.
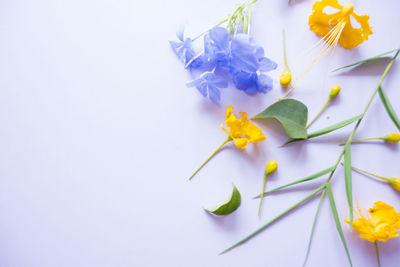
(337, 27)
(381, 223)
(241, 131)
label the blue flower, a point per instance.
(184, 50)
(252, 82)
(246, 64)
(208, 84)
(216, 46)
(247, 56)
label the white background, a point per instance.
(98, 135)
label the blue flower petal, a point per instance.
(251, 90)
(243, 80)
(267, 64)
(209, 82)
(214, 94)
(216, 46)
(264, 83)
(180, 33)
(220, 36)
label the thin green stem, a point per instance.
(201, 166)
(377, 254)
(350, 139)
(316, 191)
(262, 193)
(284, 51)
(316, 116)
(206, 31)
(377, 176)
(364, 139)
(249, 16)
(313, 227)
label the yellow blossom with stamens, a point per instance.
(337, 27)
(381, 223)
(241, 131)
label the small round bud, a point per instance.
(392, 138)
(286, 78)
(395, 182)
(271, 167)
(335, 90)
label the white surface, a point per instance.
(99, 134)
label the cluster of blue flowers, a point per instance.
(226, 57)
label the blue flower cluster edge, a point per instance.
(225, 58)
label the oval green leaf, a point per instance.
(231, 204)
(292, 114)
(327, 129)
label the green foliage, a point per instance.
(337, 220)
(371, 59)
(231, 204)
(306, 179)
(274, 219)
(292, 114)
(389, 107)
(348, 179)
(328, 129)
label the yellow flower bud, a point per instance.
(286, 78)
(392, 138)
(271, 167)
(335, 90)
(395, 182)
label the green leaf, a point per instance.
(389, 107)
(366, 60)
(313, 227)
(328, 129)
(231, 204)
(306, 179)
(337, 220)
(292, 114)
(274, 219)
(348, 179)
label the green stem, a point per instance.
(249, 15)
(313, 227)
(201, 166)
(388, 67)
(262, 193)
(216, 25)
(377, 176)
(364, 139)
(284, 51)
(275, 219)
(377, 254)
(316, 116)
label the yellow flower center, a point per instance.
(347, 9)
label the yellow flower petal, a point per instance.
(381, 224)
(242, 131)
(322, 23)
